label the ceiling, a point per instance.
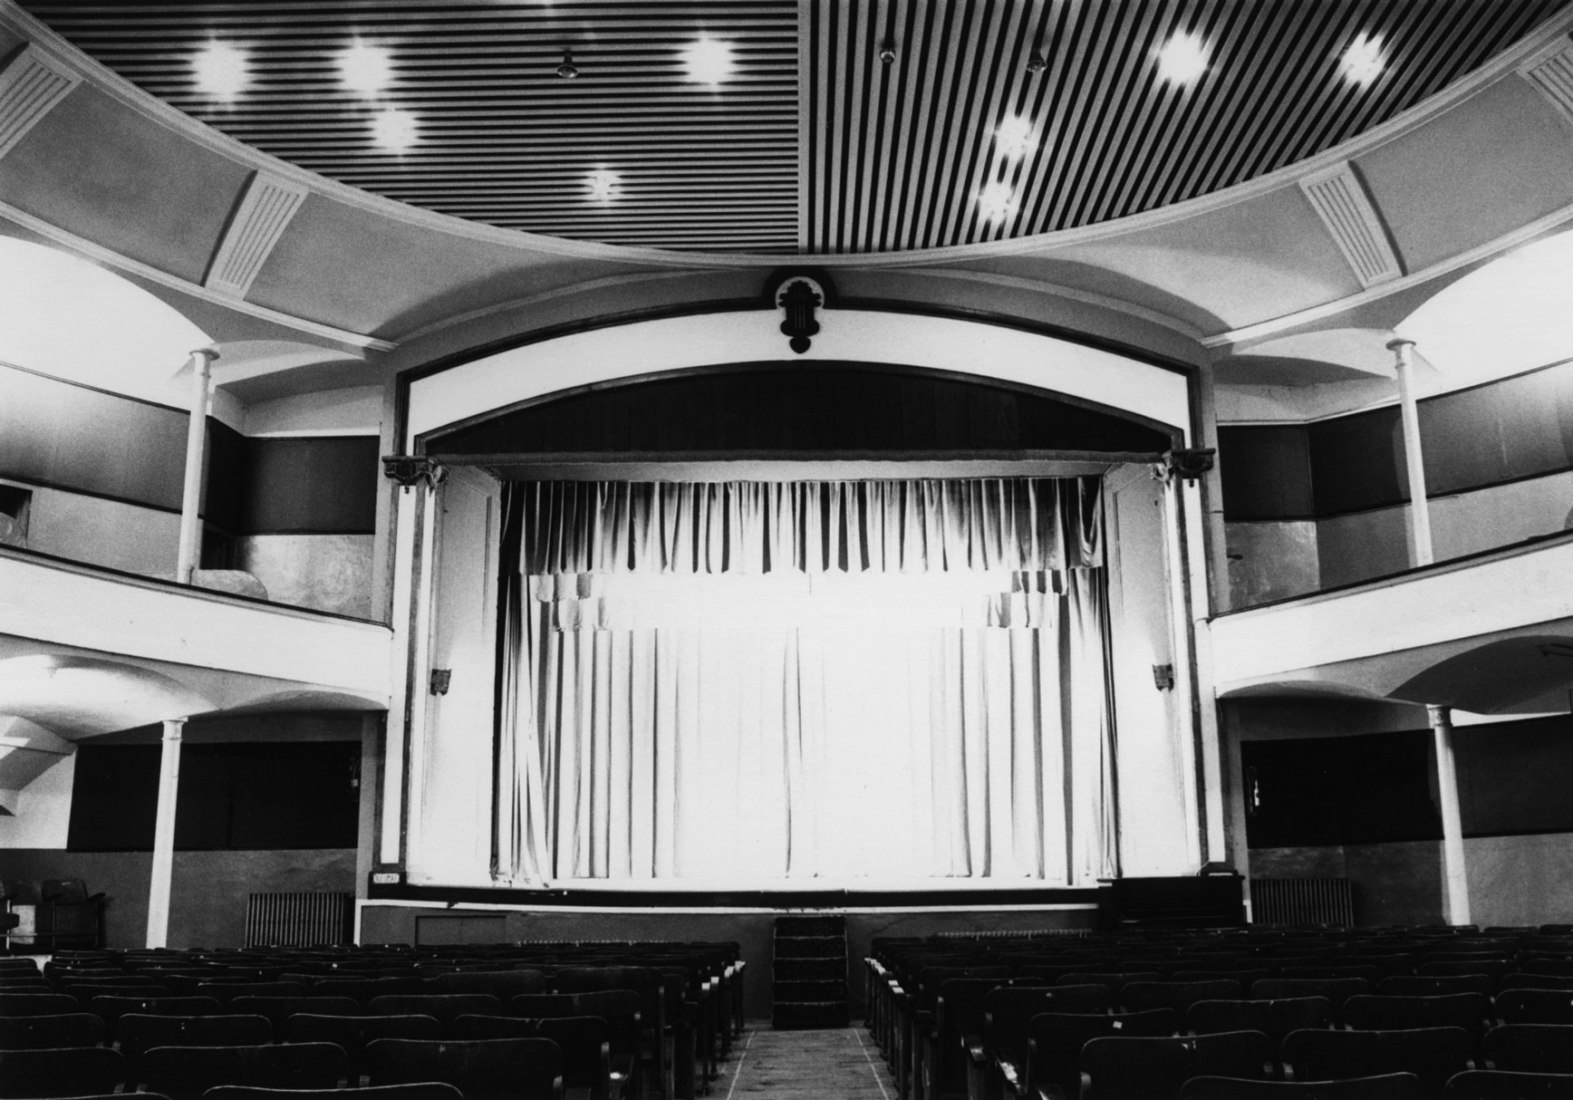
(814, 145)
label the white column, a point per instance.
(196, 454)
(1456, 910)
(164, 836)
(1414, 458)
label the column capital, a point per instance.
(412, 470)
(1398, 342)
(207, 351)
(1439, 715)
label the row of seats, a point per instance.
(1000, 1016)
(640, 1019)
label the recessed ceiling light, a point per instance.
(222, 69)
(1363, 61)
(394, 130)
(1013, 137)
(604, 186)
(996, 202)
(709, 61)
(1182, 59)
(365, 70)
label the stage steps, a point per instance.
(809, 980)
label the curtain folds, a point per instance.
(741, 683)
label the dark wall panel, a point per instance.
(1266, 472)
(1514, 778)
(1340, 790)
(1519, 427)
(823, 407)
(274, 795)
(319, 485)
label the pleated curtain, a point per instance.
(742, 683)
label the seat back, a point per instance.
(67, 1029)
(501, 984)
(185, 1073)
(1535, 1006)
(1130, 1066)
(1501, 1084)
(113, 1006)
(280, 1009)
(224, 992)
(1055, 1041)
(60, 1071)
(1386, 1086)
(1138, 996)
(1530, 1048)
(1275, 1019)
(352, 1033)
(1007, 1010)
(38, 1004)
(136, 1034)
(1390, 1013)
(424, 1090)
(1431, 1053)
(444, 1007)
(585, 1042)
(483, 1069)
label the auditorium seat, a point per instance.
(1433, 1054)
(444, 1007)
(136, 1034)
(184, 1073)
(60, 1071)
(482, 1069)
(1008, 1010)
(1275, 1019)
(352, 1033)
(1498, 1084)
(1469, 1011)
(37, 1004)
(68, 1029)
(1523, 980)
(585, 1042)
(1433, 985)
(1055, 1041)
(226, 991)
(1535, 1006)
(501, 984)
(1138, 996)
(1529, 1048)
(113, 1007)
(1128, 1066)
(1386, 1086)
(279, 1009)
(423, 1090)
(363, 989)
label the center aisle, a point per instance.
(806, 1065)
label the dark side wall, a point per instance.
(222, 821)
(1343, 789)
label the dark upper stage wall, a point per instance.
(824, 407)
(1517, 428)
(72, 437)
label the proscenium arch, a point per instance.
(528, 372)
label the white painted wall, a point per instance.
(450, 843)
(43, 811)
(1156, 825)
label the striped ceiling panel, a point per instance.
(817, 144)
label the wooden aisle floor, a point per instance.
(840, 1063)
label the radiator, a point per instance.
(1319, 901)
(297, 920)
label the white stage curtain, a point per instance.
(738, 684)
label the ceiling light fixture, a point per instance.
(1182, 59)
(1037, 62)
(1363, 62)
(365, 70)
(394, 130)
(1013, 137)
(709, 61)
(604, 185)
(887, 51)
(996, 202)
(222, 70)
(567, 70)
